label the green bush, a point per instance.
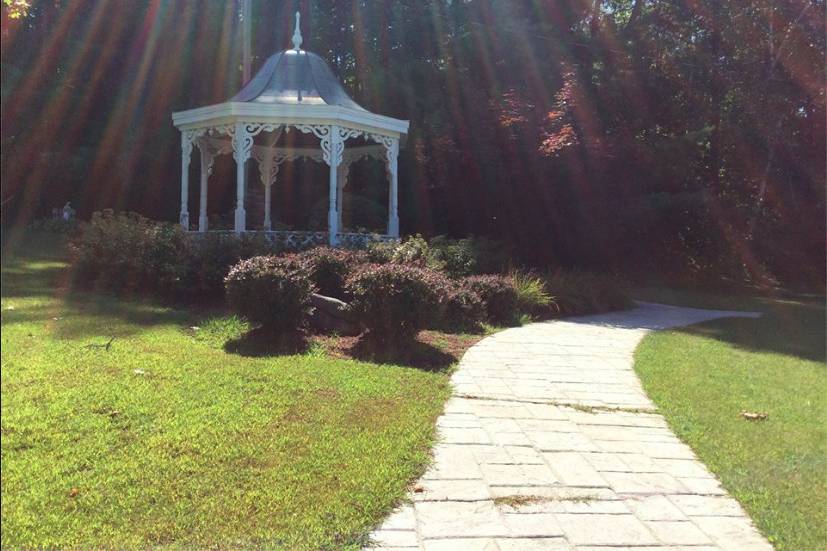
(497, 294)
(55, 225)
(394, 301)
(380, 252)
(126, 252)
(462, 308)
(210, 256)
(413, 250)
(578, 293)
(532, 297)
(469, 256)
(328, 268)
(271, 291)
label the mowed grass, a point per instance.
(703, 376)
(166, 440)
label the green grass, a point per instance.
(703, 376)
(167, 440)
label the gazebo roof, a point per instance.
(292, 87)
(293, 77)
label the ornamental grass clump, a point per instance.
(394, 301)
(532, 297)
(271, 291)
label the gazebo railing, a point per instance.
(355, 240)
(289, 239)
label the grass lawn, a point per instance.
(170, 438)
(702, 377)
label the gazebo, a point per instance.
(294, 90)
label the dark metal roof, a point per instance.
(296, 77)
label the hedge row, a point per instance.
(394, 290)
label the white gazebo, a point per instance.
(294, 90)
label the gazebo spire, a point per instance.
(297, 34)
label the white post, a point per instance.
(186, 152)
(268, 225)
(340, 192)
(206, 168)
(334, 148)
(242, 145)
(393, 170)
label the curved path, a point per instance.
(549, 442)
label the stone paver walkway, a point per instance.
(518, 468)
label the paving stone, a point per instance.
(461, 544)
(463, 436)
(657, 507)
(401, 519)
(456, 519)
(452, 490)
(572, 469)
(695, 505)
(534, 544)
(395, 538)
(643, 483)
(677, 532)
(733, 533)
(703, 486)
(607, 462)
(533, 524)
(518, 475)
(510, 439)
(688, 468)
(453, 462)
(605, 530)
(666, 450)
(524, 455)
(561, 441)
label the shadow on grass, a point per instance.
(415, 353)
(261, 342)
(791, 325)
(791, 330)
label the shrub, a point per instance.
(381, 252)
(413, 250)
(55, 225)
(462, 308)
(577, 293)
(127, 252)
(210, 256)
(271, 291)
(469, 256)
(497, 294)
(328, 268)
(394, 301)
(532, 297)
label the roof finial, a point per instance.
(297, 34)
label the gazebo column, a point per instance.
(206, 170)
(242, 145)
(269, 179)
(186, 152)
(341, 182)
(332, 148)
(393, 172)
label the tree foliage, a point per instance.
(682, 137)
